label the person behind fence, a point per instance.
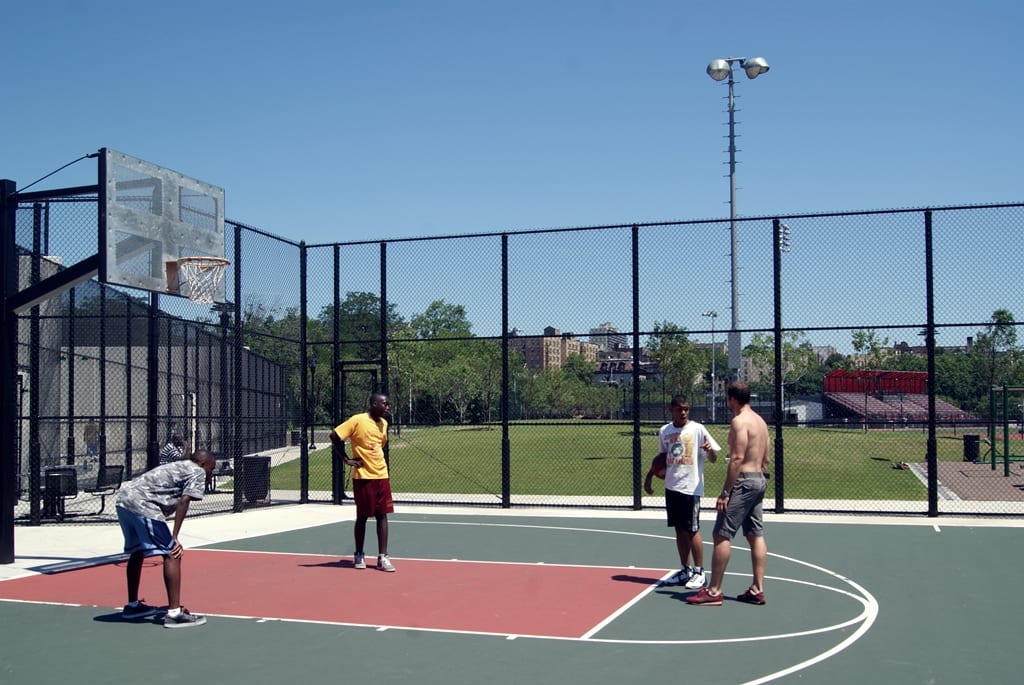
(91, 436)
(175, 449)
(371, 484)
(686, 445)
(143, 506)
(741, 498)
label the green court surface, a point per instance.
(848, 601)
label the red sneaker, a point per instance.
(751, 597)
(705, 598)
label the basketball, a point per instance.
(658, 466)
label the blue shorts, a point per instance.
(146, 535)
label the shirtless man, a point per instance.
(740, 501)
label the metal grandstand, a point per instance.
(885, 396)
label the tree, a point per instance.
(442, 320)
(576, 366)
(957, 381)
(359, 327)
(799, 361)
(997, 345)
(872, 351)
(679, 359)
(449, 372)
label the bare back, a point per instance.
(748, 435)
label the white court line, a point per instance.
(866, 619)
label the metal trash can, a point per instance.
(972, 449)
(59, 482)
(255, 477)
(296, 438)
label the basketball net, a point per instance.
(203, 276)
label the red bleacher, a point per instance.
(887, 396)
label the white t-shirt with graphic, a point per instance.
(684, 456)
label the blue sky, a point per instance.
(338, 121)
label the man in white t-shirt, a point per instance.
(686, 445)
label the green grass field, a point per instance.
(595, 459)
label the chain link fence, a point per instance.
(534, 368)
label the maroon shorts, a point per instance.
(373, 497)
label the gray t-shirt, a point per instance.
(155, 494)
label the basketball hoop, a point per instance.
(203, 277)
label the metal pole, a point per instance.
(10, 482)
(735, 341)
(777, 246)
(713, 398)
(712, 314)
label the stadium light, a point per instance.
(714, 315)
(720, 70)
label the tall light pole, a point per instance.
(714, 315)
(719, 70)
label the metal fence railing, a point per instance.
(535, 367)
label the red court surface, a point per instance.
(485, 597)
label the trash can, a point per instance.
(972, 448)
(296, 438)
(255, 477)
(59, 482)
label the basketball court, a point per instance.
(480, 595)
(510, 598)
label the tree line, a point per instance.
(440, 372)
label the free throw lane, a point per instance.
(484, 597)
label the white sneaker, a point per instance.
(384, 563)
(184, 619)
(680, 577)
(360, 561)
(697, 579)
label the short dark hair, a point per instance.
(739, 391)
(202, 455)
(679, 400)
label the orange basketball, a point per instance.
(658, 466)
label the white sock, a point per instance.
(173, 613)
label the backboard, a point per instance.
(149, 218)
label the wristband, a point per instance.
(725, 493)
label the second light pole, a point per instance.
(719, 70)
(714, 315)
(312, 411)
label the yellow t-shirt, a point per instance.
(367, 438)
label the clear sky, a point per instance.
(331, 121)
(336, 120)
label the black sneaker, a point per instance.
(141, 610)
(184, 620)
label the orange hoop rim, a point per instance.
(204, 261)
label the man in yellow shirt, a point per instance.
(371, 484)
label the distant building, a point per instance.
(607, 337)
(903, 348)
(823, 352)
(613, 372)
(618, 370)
(550, 350)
